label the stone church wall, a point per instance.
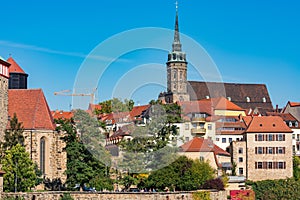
(3, 105)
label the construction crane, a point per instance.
(68, 93)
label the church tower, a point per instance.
(17, 76)
(177, 70)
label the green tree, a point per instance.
(115, 105)
(183, 174)
(151, 146)
(13, 135)
(82, 165)
(296, 168)
(276, 189)
(20, 170)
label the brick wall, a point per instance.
(114, 196)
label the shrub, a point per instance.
(66, 196)
(216, 183)
(201, 195)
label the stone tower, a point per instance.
(4, 76)
(177, 70)
(17, 76)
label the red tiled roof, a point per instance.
(284, 116)
(294, 104)
(14, 67)
(267, 124)
(61, 114)
(31, 108)
(138, 110)
(202, 145)
(208, 105)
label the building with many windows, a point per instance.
(4, 76)
(265, 151)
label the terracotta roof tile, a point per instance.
(14, 67)
(294, 104)
(138, 110)
(61, 114)
(267, 124)
(284, 116)
(202, 145)
(31, 108)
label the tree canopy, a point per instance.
(115, 105)
(183, 174)
(13, 135)
(20, 170)
(83, 167)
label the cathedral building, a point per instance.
(247, 96)
(42, 141)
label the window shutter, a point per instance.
(255, 151)
(283, 149)
(265, 165)
(255, 165)
(276, 152)
(276, 137)
(283, 165)
(255, 137)
(283, 137)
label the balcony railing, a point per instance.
(198, 131)
(198, 120)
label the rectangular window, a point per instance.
(270, 137)
(259, 150)
(259, 165)
(280, 150)
(270, 165)
(240, 159)
(241, 171)
(259, 137)
(217, 139)
(280, 165)
(187, 139)
(280, 137)
(209, 127)
(240, 150)
(187, 126)
(270, 150)
(230, 140)
(223, 140)
(201, 158)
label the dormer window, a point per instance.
(248, 99)
(207, 97)
(296, 124)
(290, 124)
(229, 98)
(264, 99)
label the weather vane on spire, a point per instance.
(176, 5)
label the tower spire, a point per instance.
(176, 46)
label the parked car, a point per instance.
(133, 190)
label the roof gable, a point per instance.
(267, 124)
(14, 67)
(202, 145)
(31, 108)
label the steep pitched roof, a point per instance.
(238, 93)
(267, 124)
(202, 145)
(14, 67)
(31, 108)
(138, 110)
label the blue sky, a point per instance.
(250, 42)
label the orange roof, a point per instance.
(267, 124)
(14, 67)
(294, 104)
(31, 108)
(138, 110)
(208, 105)
(202, 145)
(284, 116)
(61, 114)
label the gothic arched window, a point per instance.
(42, 154)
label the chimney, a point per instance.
(276, 108)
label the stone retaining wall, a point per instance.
(221, 195)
